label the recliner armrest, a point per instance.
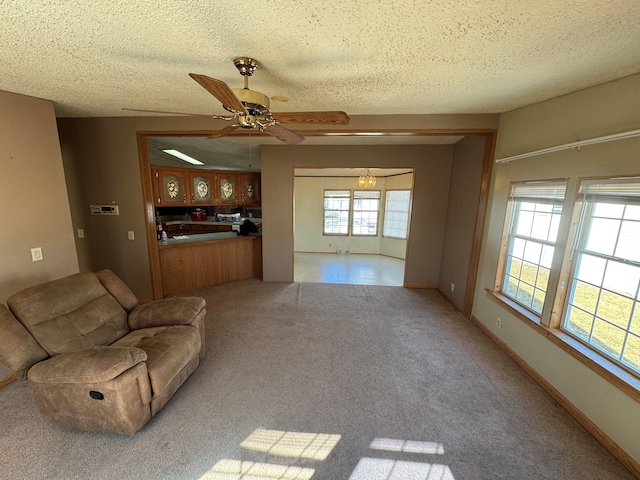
(168, 311)
(93, 365)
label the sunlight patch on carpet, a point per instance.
(243, 470)
(313, 446)
(385, 469)
(410, 446)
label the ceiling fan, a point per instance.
(250, 109)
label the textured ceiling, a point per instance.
(96, 57)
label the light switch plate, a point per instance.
(131, 235)
(36, 254)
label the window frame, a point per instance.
(324, 210)
(533, 192)
(549, 325)
(586, 204)
(408, 213)
(353, 212)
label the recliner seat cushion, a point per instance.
(168, 350)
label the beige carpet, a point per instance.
(327, 382)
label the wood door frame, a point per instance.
(490, 135)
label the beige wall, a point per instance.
(597, 111)
(112, 142)
(34, 207)
(100, 156)
(462, 208)
(431, 163)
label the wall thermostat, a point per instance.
(104, 209)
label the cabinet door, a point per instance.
(228, 188)
(171, 186)
(202, 188)
(250, 185)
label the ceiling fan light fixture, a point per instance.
(367, 180)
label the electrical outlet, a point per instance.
(453, 287)
(80, 233)
(498, 323)
(36, 254)
(132, 236)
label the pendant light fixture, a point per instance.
(367, 180)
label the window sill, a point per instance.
(614, 374)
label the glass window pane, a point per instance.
(532, 252)
(603, 235)
(524, 223)
(517, 249)
(629, 242)
(632, 212)
(514, 266)
(541, 225)
(579, 322)
(543, 279)
(615, 308)
(621, 278)
(525, 294)
(538, 301)
(608, 337)
(396, 214)
(585, 296)
(635, 321)
(608, 210)
(590, 269)
(529, 273)
(547, 256)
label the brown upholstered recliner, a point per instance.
(95, 359)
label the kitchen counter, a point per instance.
(257, 221)
(202, 237)
(208, 259)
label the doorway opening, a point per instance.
(348, 234)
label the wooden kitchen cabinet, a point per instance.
(170, 186)
(250, 189)
(189, 186)
(202, 187)
(228, 188)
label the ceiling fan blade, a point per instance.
(283, 134)
(224, 131)
(221, 91)
(329, 118)
(166, 113)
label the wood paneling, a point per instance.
(189, 266)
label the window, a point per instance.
(366, 205)
(603, 303)
(336, 212)
(396, 213)
(534, 218)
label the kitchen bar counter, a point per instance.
(202, 237)
(208, 259)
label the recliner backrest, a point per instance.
(70, 314)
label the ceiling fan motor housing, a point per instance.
(255, 102)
